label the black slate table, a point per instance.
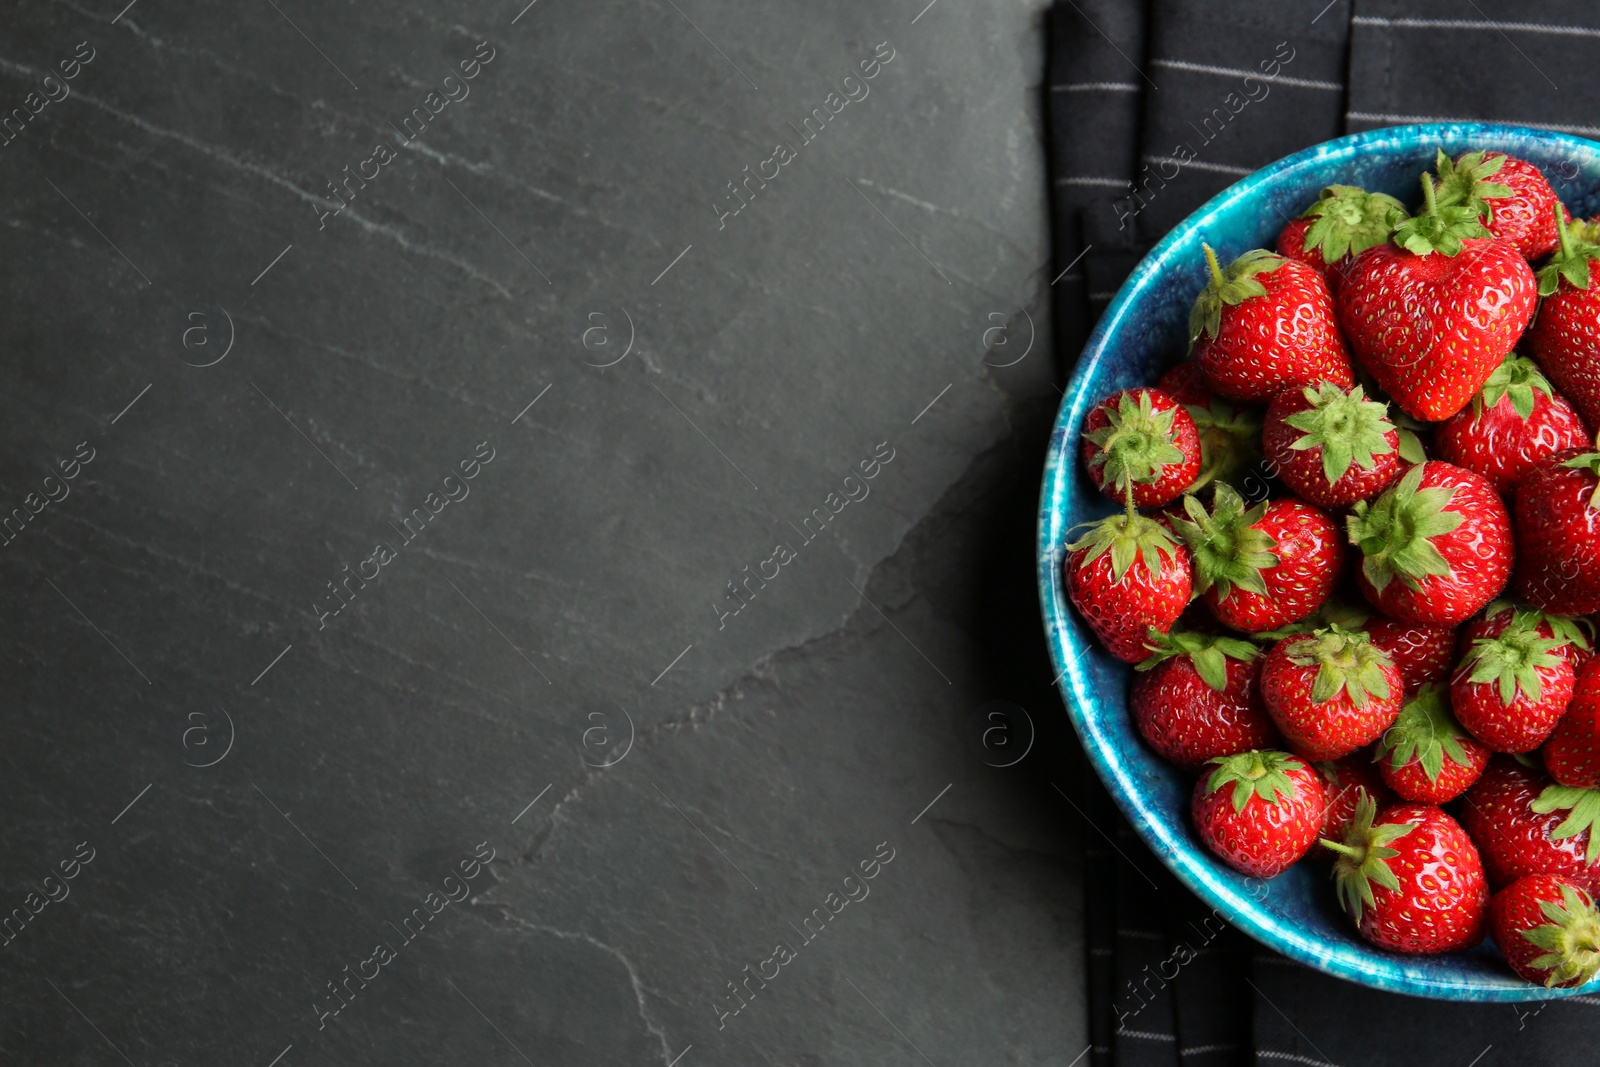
(518, 536)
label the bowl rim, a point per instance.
(1174, 845)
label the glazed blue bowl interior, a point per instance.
(1143, 333)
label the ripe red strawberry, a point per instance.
(1558, 534)
(1346, 781)
(1196, 699)
(1421, 653)
(1265, 567)
(1141, 439)
(1513, 683)
(1426, 756)
(1411, 879)
(1513, 423)
(1259, 811)
(1344, 222)
(1186, 383)
(1565, 337)
(1436, 545)
(1548, 929)
(1292, 244)
(1331, 446)
(1510, 194)
(1330, 692)
(1517, 831)
(1572, 755)
(1433, 313)
(1119, 600)
(1264, 324)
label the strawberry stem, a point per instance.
(1343, 850)
(1206, 477)
(1561, 232)
(1429, 197)
(1212, 264)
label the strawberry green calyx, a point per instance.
(1568, 629)
(1395, 532)
(1227, 548)
(1590, 462)
(1518, 378)
(1228, 439)
(1263, 774)
(1426, 732)
(1364, 856)
(1583, 806)
(1579, 633)
(1511, 659)
(1571, 261)
(1333, 613)
(1136, 442)
(1349, 428)
(1347, 661)
(1585, 230)
(1232, 287)
(1208, 652)
(1128, 537)
(1466, 183)
(1351, 220)
(1571, 940)
(1440, 227)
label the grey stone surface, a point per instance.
(545, 669)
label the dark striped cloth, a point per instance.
(1155, 105)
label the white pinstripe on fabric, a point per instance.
(1292, 1057)
(1474, 24)
(1195, 164)
(1232, 72)
(1095, 87)
(1146, 1035)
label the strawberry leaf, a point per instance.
(1209, 653)
(1590, 462)
(1518, 378)
(1350, 429)
(1584, 808)
(1136, 443)
(1363, 857)
(1350, 220)
(1347, 661)
(1440, 227)
(1262, 774)
(1465, 182)
(1229, 287)
(1395, 532)
(1229, 551)
(1411, 431)
(1570, 938)
(1572, 260)
(1513, 658)
(1127, 538)
(1425, 731)
(1333, 612)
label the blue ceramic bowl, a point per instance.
(1143, 333)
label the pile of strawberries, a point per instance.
(1358, 566)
